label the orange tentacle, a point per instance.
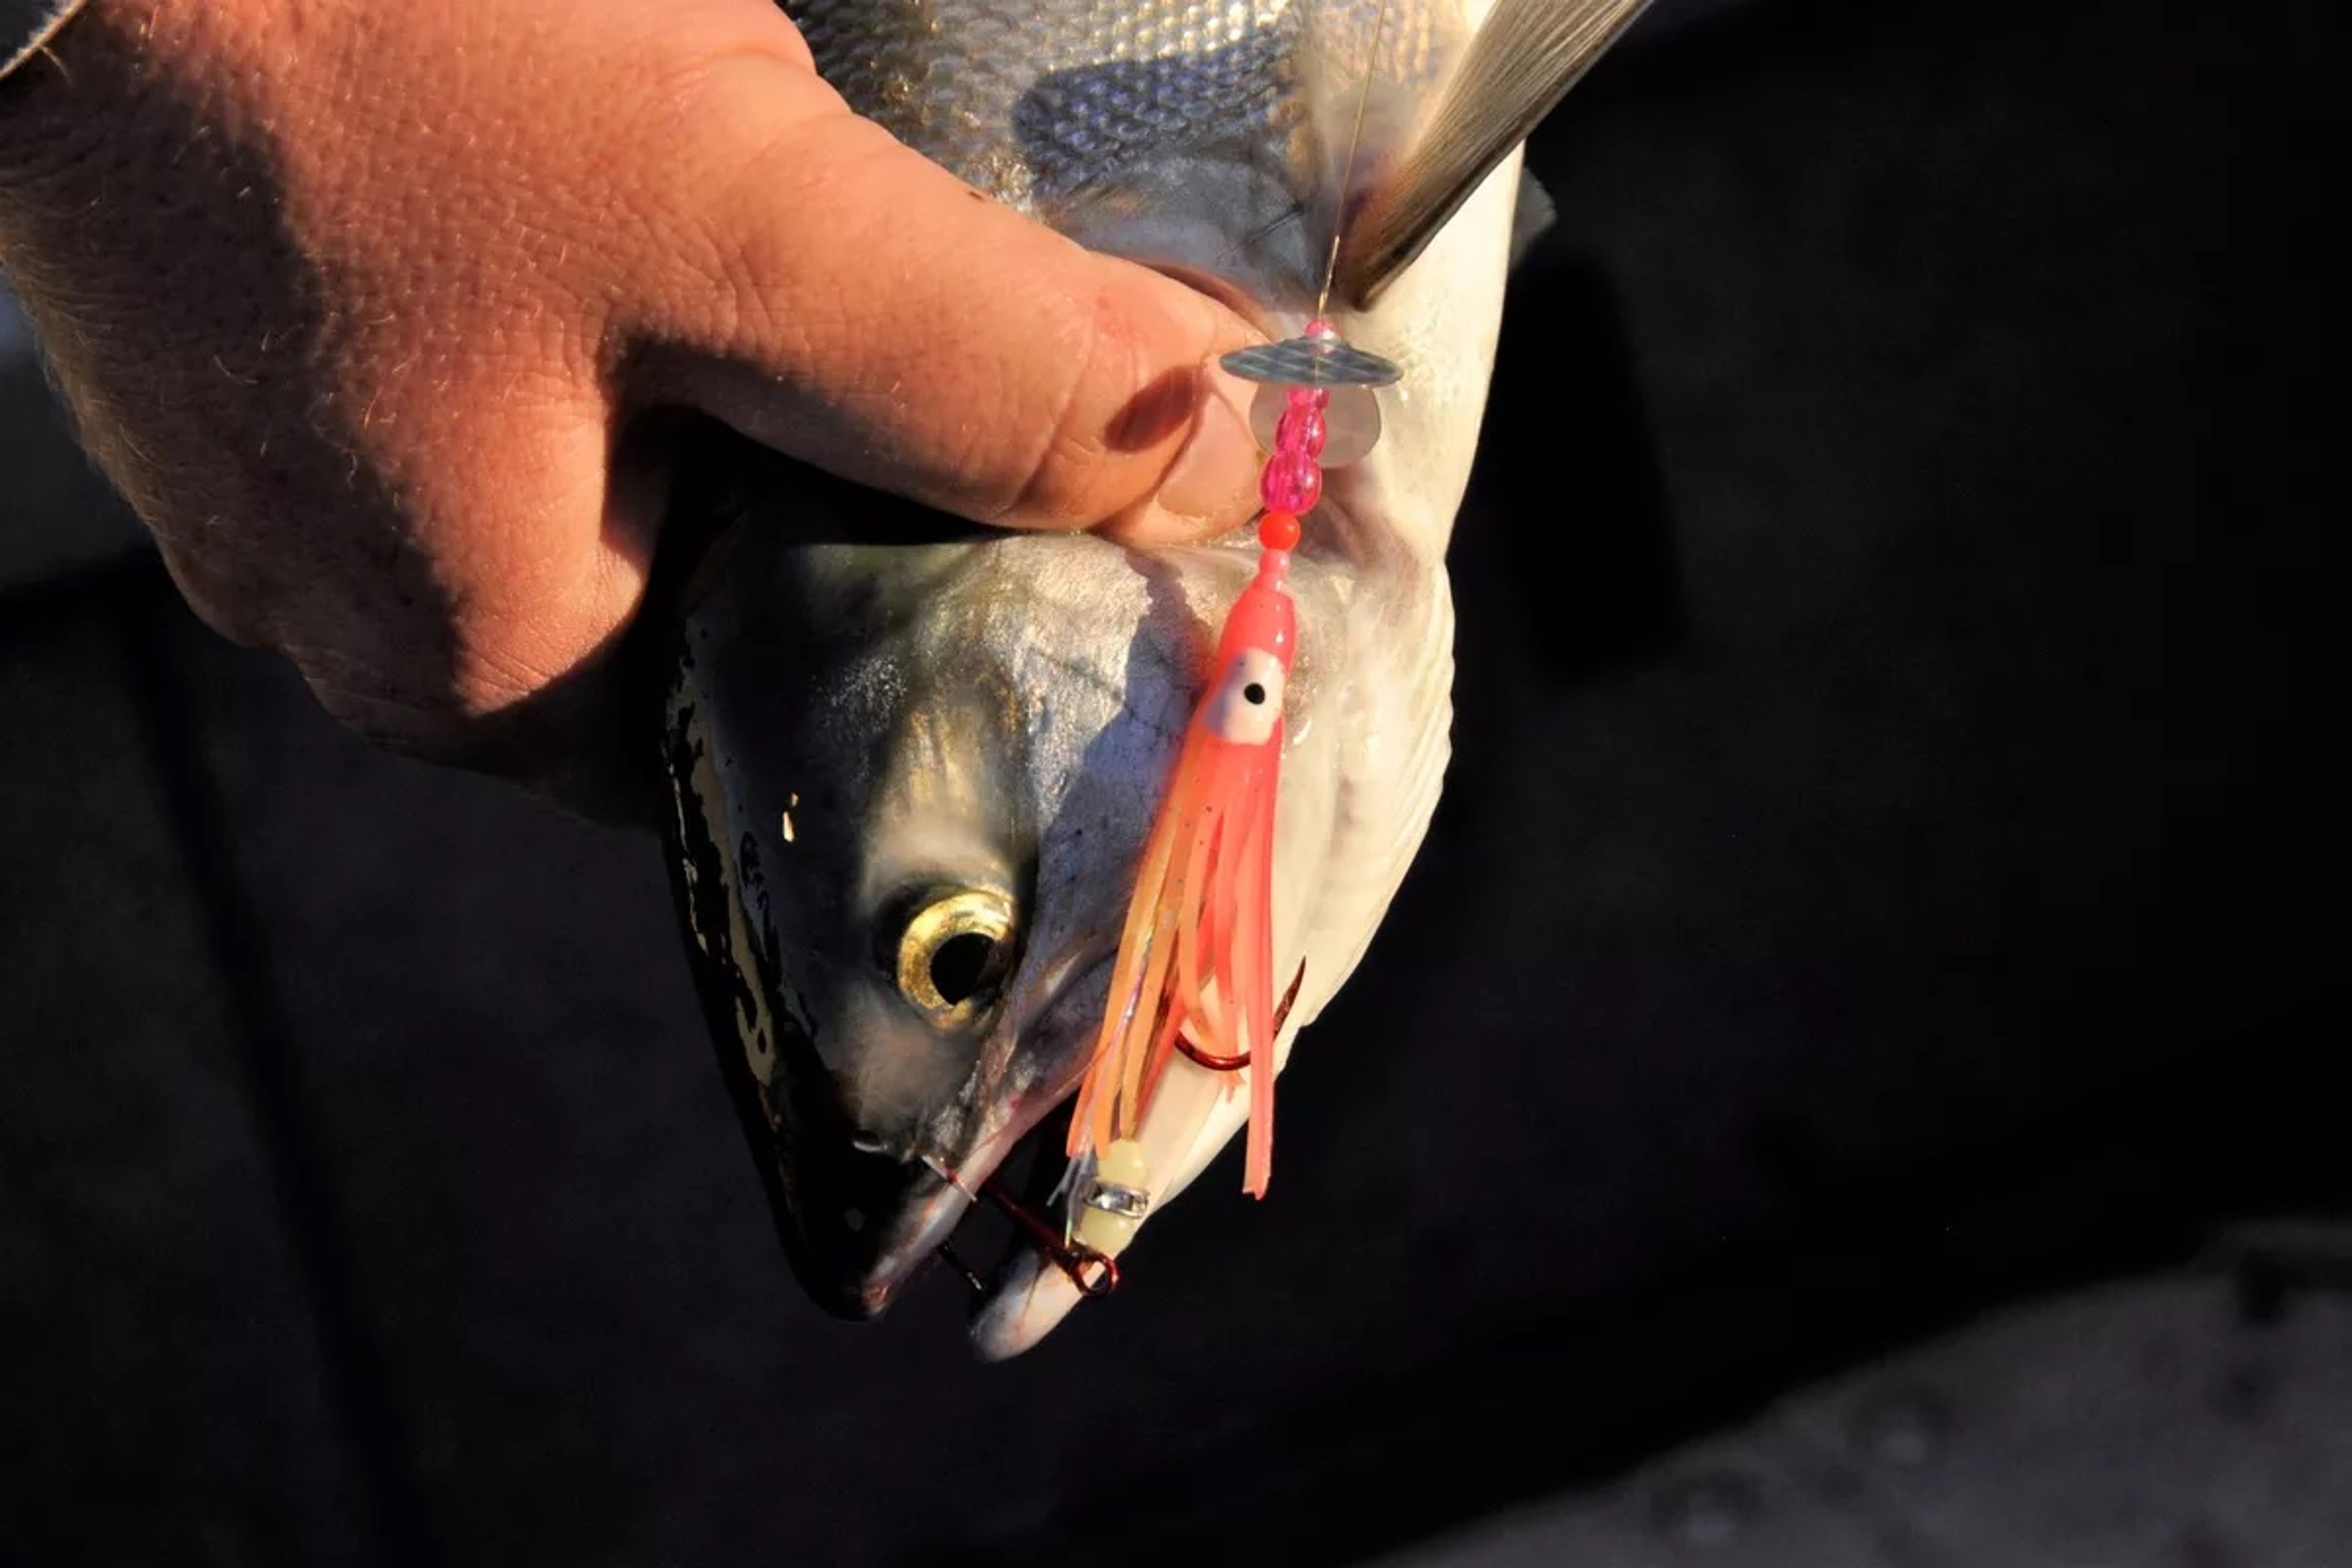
(1195, 960)
(1091, 1117)
(1254, 964)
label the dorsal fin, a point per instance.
(1520, 64)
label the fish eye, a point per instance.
(954, 952)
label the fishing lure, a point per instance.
(1196, 966)
(1194, 972)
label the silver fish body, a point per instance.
(913, 779)
(1213, 131)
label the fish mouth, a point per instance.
(868, 1220)
(1029, 1290)
(869, 1215)
(1020, 1210)
(859, 1220)
(1004, 1216)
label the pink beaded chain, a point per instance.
(1292, 481)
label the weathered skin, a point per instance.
(1003, 713)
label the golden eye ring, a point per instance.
(954, 953)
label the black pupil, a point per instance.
(1254, 692)
(959, 965)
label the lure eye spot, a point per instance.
(1246, 702)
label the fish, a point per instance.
(913, 764)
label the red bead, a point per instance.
(1278, 531)
(1310, 397)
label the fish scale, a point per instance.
(1027, 102)
(1035, 104)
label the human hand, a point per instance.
(363, 307)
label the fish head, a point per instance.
(910, 784)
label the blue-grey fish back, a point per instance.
(1126, 124)
(1035, 101)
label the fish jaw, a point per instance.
(868, 1221)
(864, 1224)
(1027, 1302)
(1194, 1114)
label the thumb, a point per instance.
(855, 306)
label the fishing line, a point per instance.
(1348, 167)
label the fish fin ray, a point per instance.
(1532, 218)
(1520, 63)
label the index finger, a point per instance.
(849, 302)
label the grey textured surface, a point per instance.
(2152, 1424)
(56, 516)
(565, 1265)
(161, 1388)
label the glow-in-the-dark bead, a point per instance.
(1107, 1219)
(1278, 531)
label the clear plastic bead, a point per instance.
(1351, 421)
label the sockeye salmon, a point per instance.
(914, 765)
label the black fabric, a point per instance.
(1884, 871)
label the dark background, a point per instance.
(1888, 870)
